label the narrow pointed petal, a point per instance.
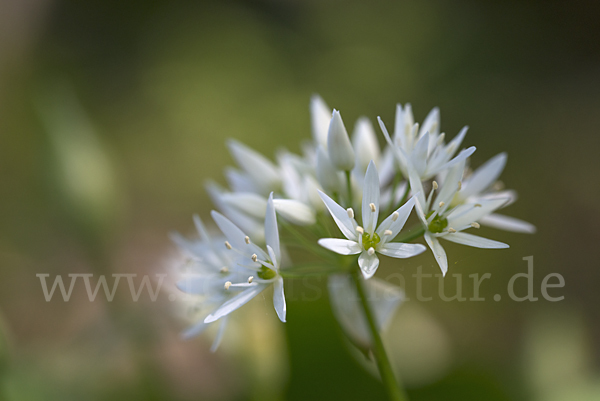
(401, 250)
(219, 336)
(467, 214)
(279, 298)
(234, 303)
(419, 154)
(235, 236)
(341, 246)
(320, 115)
(507, 223)
(438, 252)
(239, 181)
(395, 226)
(416, 187)
(462, 156)
(450, 185)
(261, 169)
(194, 330)
(370, 198)
(327, 175)
(271, 230)
(484, 176)
(368, 264)
(201, 229)
(420, 213)
(474, 241)
(365, 144)
(340, 216)
(339, 147)
(295, 211)
(249, 203)
(431, 123)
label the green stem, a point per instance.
(412, 234)
(395, 392)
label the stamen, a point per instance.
(477, 205)
(451, 230)
(224, 269)
(441, 204)
(227, 285)
(227, 245)
(434, 184)
(395, 216)
(371, 251)
(360, 229)
(372, 206)
(441, 138)
(475, 224)
(254, 257)
(250, 279)
(498, 186)
(459, 185)
(350, 212)
(247, 239)
(388, 232)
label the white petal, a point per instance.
(401, 250)
(341, 246)
(395, 226)
(420, 212)
(295, 212)
(201, 229)
(339, 147)
(320, 115)
(271, 230)
(507, 223)
(263, 172)
(365, 144)
(431, 123)
(340, 216)
(246, 202)
(234, 303)
(484, 176)
(462, 156)
(327, 175)
(219, 336)
(236, 237)
(239, 181)
(438, 251)
(368, 264)
(450, 185)
(370, 196)
(464, 215)
(279, 298)
(416, 187)
(474, 241)
(419, 154)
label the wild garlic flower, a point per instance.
(423, 149)
(262, 268)
(441, 220)
(483, 184)
(370, 238)
(204, 278)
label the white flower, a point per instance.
(369, 238)
(423, 149)
(263, 266)
(480, 186)
(440, 220)
(339, 147)
(262, 172)
(204, 278)
(320, 116)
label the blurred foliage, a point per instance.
(113, 114)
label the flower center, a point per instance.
(370, 242)
(265, 273)
(438, 223)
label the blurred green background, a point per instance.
(113, 114)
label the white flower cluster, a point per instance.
(342, 176)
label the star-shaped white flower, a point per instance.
(263, 266)
(370, 238)
(441, 220)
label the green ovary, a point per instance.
(438, 223)
(265, 273)
(370, 242)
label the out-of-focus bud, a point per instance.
(327, 175)
(320, 116)
(339, 147)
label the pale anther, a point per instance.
(387, 232)
(475, 224)
(350, 212)
(254, 257)
(395, 216)
(247, 239)
(227, 285)
(441, 204)
(435, 185)
(227, 245)
(372, 206)
(360, 229)
(459, 185)
(224, 269)
(250, 279)
(371, 251)
(451, 230)
(478, 205)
